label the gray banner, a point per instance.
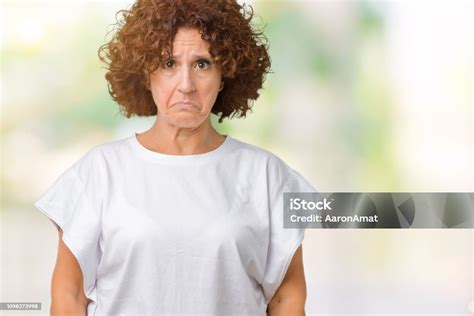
(23, 306)
(378, 210)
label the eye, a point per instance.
(168, 64)
(203, 64)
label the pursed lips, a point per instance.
(185, 105)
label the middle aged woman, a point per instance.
(180, 219)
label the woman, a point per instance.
(179, 219)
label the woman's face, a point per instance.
(186, 86)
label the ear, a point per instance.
(222, 86)
(147, 84)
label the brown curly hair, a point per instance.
(144, 40)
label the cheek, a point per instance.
(210, 91)
(161, 91)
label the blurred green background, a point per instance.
(364, 96)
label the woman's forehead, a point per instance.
(189, 42)
(187, 36)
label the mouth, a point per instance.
(185, 106)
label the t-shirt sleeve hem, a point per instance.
(44, 208)
(286, 263)
(71, 245)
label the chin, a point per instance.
(186, 120)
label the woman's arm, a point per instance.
(290, 297)
(67, 294)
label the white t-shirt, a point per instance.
(159, 234)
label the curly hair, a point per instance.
(144, 39)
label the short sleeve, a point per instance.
(70, 206)
(283, 242)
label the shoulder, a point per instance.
(96, 159)
(261, 157)
(109, 148)
(253, 151)
(276, 169)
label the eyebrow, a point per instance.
(194, 55)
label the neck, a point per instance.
(181, 141)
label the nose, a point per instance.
(186, 82)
